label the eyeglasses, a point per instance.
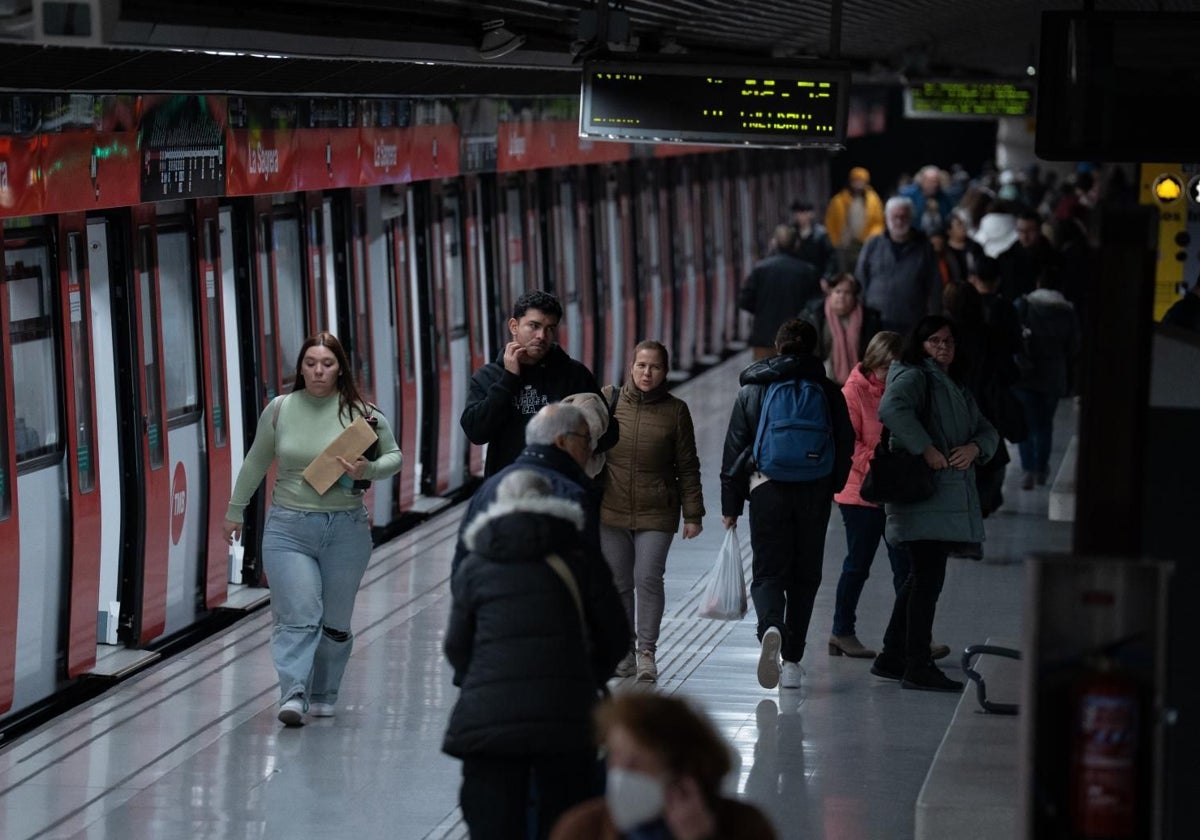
(940, 342)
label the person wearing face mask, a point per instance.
(532, 371)
(315, 546)
(898, 271)
(665, 766)
(650, 477)
(844, 326)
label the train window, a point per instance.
(516, 240)
(81, 362)
(316, 252)
(289, 291)
(566, 239)
(155, 437)
(361, 345)
(210, 250)
(398, 284)
(270, 368)
(452, 255)
(177, 290)
(37, 412)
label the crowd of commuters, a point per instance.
(945, 313)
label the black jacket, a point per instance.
(500, 403)
(736, 465)
(776, 290)
(529, 680)
(817, 250)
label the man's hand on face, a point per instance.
(514, 355)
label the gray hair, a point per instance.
(522, 484)
(553, 421)
(898, 201)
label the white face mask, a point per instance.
(633, 798)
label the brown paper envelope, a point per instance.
(354, 440)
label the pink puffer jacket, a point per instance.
(863, 393)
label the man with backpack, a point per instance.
(788, 451)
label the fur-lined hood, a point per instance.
(525, 528)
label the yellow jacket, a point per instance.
(839, 208)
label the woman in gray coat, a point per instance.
(930, 411)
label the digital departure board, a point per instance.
(666, 102)
(957, 100)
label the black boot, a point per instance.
(928, 677)
(887, 666)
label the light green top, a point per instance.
(304, 427)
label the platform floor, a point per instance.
(191, 748)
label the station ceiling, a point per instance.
(432, 47)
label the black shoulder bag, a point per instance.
(899, 477)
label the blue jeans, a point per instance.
(864, 530)
(314, 563)
(1039, 414)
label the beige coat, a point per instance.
(653, 472)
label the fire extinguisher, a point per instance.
(1106, 711)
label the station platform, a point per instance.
(191, 748)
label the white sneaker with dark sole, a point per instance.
(768, 658)
(789, 676)
(291, 713)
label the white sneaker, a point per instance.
(768, 658)
(291, 713)
(321, 709)
(789, 677)
(627, 667)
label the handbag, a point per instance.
(896, 477)
(725, 594)
(899, 477)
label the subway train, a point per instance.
(164, 256)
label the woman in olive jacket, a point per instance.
(930, 411)
(650, 475)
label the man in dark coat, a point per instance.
(535, 629)
(533, 371)
(788, 519)
(557, 447)
(777, 289)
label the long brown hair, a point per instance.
(349, 398)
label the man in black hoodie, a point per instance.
(533, 371)
(788, 519)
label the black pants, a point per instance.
(496, 791)
(787, 532)
(910, 630)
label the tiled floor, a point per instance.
(192, 749)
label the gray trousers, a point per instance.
(637, 560)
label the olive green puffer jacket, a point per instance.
(654, 470)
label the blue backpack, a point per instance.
(794, 441)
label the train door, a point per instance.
(515, 266)
(53, 506)
(398, 237)
(654, 290)
(564, 258)
(168, 354)
(235, 416)
(535, 230)
(745, 247)
(687, 309)
(723, 305)
(450, 301)
(582, 218)
(702, 259)
(321, 277)
(355, 323)
(610, 231)
(480, 264)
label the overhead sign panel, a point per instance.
(959, 100)
(655, 101)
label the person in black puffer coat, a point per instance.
(531, 656)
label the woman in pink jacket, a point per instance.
(864, 521)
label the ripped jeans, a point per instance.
(314, 563)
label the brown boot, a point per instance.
(849, 646)
(937, 651)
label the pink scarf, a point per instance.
(845, 340)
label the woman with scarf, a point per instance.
(844, 326)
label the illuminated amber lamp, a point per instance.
(1167, 189)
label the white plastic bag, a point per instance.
(725, 593)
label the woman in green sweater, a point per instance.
(315, 546)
